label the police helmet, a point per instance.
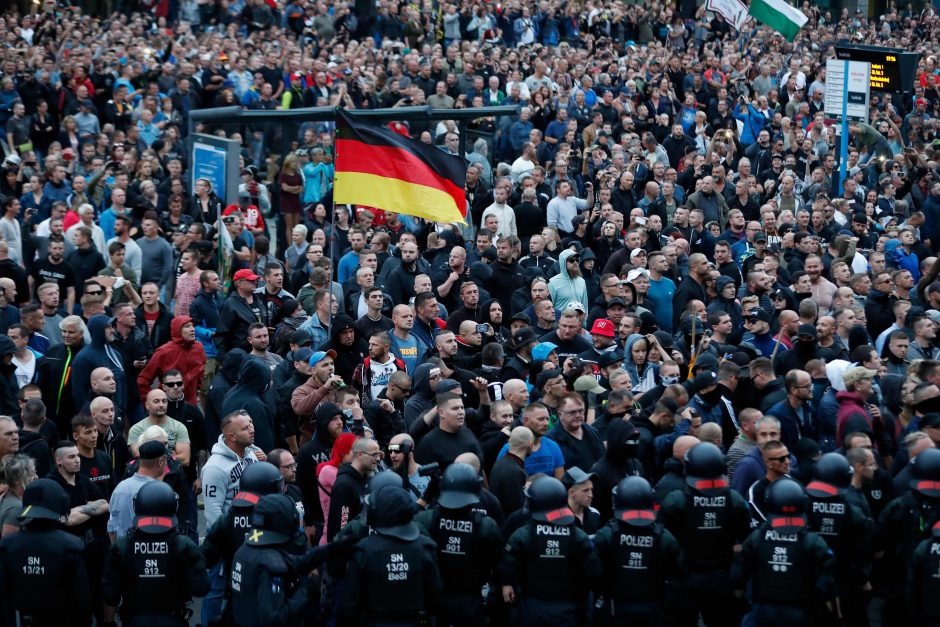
(705, 468)
(548, 502)
(832, 473)
(786, 503)
(257, 480)
(925, 473)
(155, 506)
(380, 480)
(274, 520)
(44, 499)
(633, 502)
(394, 513)
(460, 486)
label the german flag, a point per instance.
(379, 168)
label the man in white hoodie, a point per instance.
(567, 286)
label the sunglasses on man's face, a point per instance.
(173, 384)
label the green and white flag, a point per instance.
(780, 16)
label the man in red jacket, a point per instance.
(183, 353)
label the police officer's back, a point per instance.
(468, 542)
(639, 557)
(788, 566)
(845, 529)
(708, 519)
(549, 564)
(154, 569)
(393, 578)
(228, 533)
(269, 581)
(42, 572)
(923, 584)
(902, 526)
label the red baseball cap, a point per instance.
(603, 326)
(245, 275)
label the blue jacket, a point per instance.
(97, 354)
(754, 123)
(204, 310)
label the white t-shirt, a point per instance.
(380, 374)
(25, 370)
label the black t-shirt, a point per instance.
(98, 470)
(44, 270)
(443, 447)
(84, 491)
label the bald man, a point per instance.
(674, 468)
(489, 504)
(178, 437)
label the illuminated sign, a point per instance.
(892, 70)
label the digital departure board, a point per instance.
(892, 70)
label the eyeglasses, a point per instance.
(377, 456)
(574, 259)
(800, 387)
(289, 466)
(173, 384)
(572, 412)
(97, 293)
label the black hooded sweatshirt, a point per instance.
(346, 500)
(619, 461)
(222, 383)
(347, 357)
(253, 394)
(316, 451)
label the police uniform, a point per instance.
(846, 530)
(393, 579)
(923, 581)
(42, 570)
(903, 525)
(154, 569)
(638, 555)
(550, 561)
(468, 546)
(268, 579)
(708, 519)
(788, 566)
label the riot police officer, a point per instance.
(269, 579)
(846, 530)
(904, 524)
(709, 520)
(788, 566)
(229, 531)
(639, 557)
(923, 585)
(42, 572)
(154, 569)
(549, 564)
(393, 578)
(468, 545)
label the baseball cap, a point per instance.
(636, 273)
(934, 315)
(616, 301)
(760, 237)
(547, 375)
(575, 306)
(758, 314)
(588, 383)
(245, 275)
(543, 350)
(523, 337)
(603, 326)
(701, 381)
(297, 76)
(637, 252)
(521, 317)
(931, 421)
(575, 476)
(808, 330)
(318, 356)
(304, 353)
(859, 218)
(154, 449)
(856, 374)
(609, 358)
(301, 338)
(921, 101)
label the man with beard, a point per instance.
(400, 282)
(602, 338)
(796, 415)
(259, 340)
(879, 312)
(822, 289)
(829, 344)
(693, 288)
(507, 276)
(189, 415)
(329, 426)
(347, 343)
(567, 338)
(372, 374)
(470, 296)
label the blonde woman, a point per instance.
(291, 183)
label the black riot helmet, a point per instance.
(155, 507)
(786, 503)
(378, 481)
(705, 468)
(633, 502)
(460, 486)
(925, 473)
(257, 480)
(548, 502)
(832, 474)
(273, 521)
(394, 513)
(44, 499)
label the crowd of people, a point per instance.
(673, 366)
